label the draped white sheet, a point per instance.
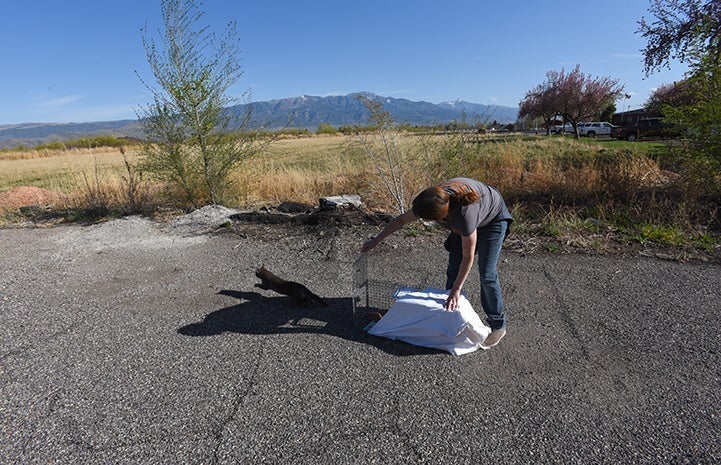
(418, 317)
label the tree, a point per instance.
(189, 144)
(583, 97)
(674, 95)
(541, 102)
(404, 165)
(608, 111)
(690, 31)
(389, 159)
(575, 96)
(683, 30)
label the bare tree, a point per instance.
(388, 160)
(405, 163)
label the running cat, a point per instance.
(300, 294)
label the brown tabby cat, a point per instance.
(300, 294)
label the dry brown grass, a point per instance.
(552, 176)
(50, 153)
(303, 169)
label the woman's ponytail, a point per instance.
(460, 193)
(465, 198)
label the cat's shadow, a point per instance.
(257, 314)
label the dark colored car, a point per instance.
(649, 128)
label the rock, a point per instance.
(341, 201)
(204, 219)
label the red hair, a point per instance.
(433, 203)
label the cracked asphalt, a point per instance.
(133, 342)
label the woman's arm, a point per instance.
(396, 223)
(468, 245)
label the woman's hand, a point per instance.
(453, 300)
(370, 244)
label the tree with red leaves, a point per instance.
(541, 102)
(574, 96)
(675, 95)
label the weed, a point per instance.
(581, 193)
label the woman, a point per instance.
(478, 219)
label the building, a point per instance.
(633, 117)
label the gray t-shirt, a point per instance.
(464, 219)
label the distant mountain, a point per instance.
(305, 112)
(309, 112)
(32, 134)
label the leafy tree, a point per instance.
(674, 95)
(541, 102)
(696, 108)
(690, 31)
(325, 128)
(189, 143)
(575, 96)
(684, 29)
(607, 112)
(583, 97)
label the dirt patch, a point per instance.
(324, 224)
(26, 196)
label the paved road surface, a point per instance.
(124, 343)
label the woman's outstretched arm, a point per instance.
(396, 223)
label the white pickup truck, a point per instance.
(562, 128)
(594, 129)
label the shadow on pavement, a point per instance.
(257, 314)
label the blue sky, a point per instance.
(75, 60)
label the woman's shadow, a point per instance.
(257, 314)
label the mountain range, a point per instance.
(305, 112)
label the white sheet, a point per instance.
(418, 317)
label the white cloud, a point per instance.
(74, 108)
(58, 102)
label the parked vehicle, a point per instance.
(579, 126)
(562, 128)
(594, 129)
(645, 129)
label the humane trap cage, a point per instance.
(372, 297)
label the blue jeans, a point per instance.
(488, 247)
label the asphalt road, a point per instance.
(132, 344)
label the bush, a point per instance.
(325, 128)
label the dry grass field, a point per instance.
(300, 169)
(58, 170)
(577, 191)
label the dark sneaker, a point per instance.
(494, 338)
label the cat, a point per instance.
(300, 294)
